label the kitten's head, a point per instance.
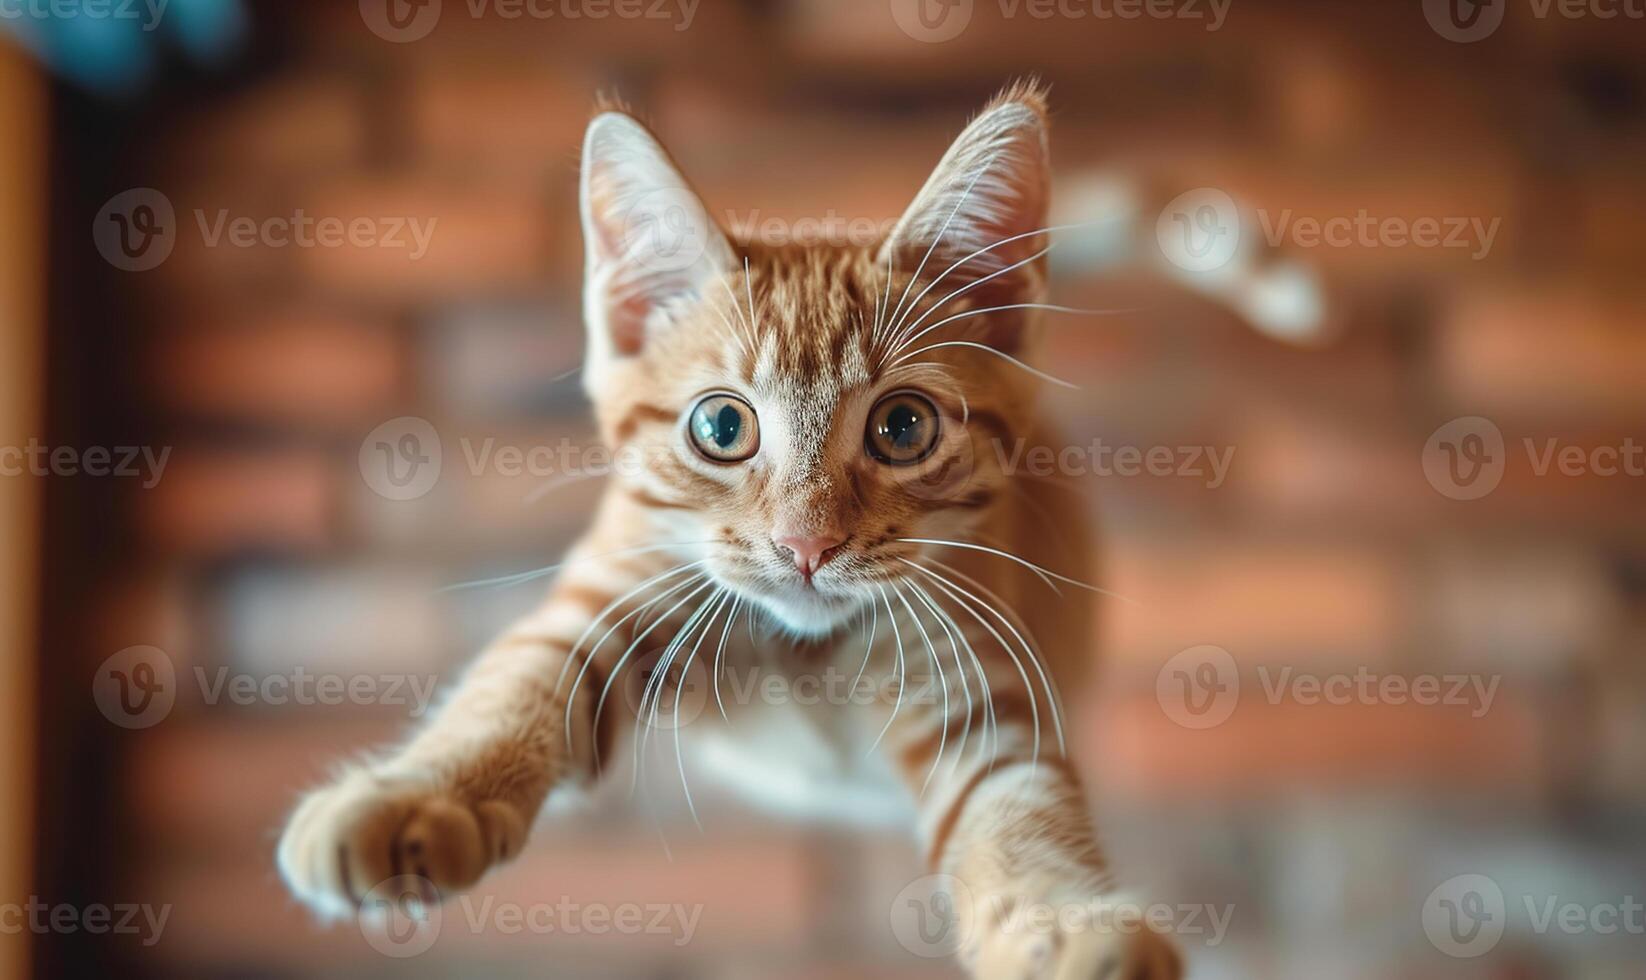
(793, 415)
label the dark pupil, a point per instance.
(725, 426)
(902, 425)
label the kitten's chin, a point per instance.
(808, 612)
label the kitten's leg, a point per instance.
(1013, 832)
(461, 795)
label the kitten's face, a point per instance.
(792, 420)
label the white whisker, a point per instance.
(1004, 241)
(968, 314)
(679, 758)
(617, 668)
(981, 170)
(1000, 605)
(1028, 687)
(547, 570)
(660, 675)
(582, 670)
(1042, 375)
(1051, 693)
(748, 290)
(610, 606)
(868, 648)
(960, 668)
(901, 675)
(899, 333)
(1043, 572)
(563, 480)
(943, 684)
(720, 652)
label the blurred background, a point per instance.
(1422, 365)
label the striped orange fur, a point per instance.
(873, 527)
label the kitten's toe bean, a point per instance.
(441, 841)
(1124, 951)
(1142, 954)
(345, 840)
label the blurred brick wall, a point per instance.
(1326, 549)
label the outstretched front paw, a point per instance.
(368, 828)
(1101, 944)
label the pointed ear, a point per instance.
(650, 246)
(992, 185)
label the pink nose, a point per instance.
(810, 553)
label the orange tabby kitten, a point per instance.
(822, 432)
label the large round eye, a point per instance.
(903, 429)
(723, 428)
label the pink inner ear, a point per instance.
(626, 324)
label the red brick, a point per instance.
(1263, 749)
(1551, 354)
(511, 119)
(1331, 601)
(226, 500)
(293, 124)
(480, 238)
(302, 366)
